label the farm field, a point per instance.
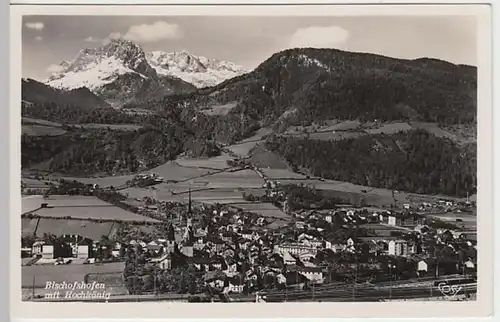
(41, 274)
(219, 109)
(59, 227)
(159, 193)
(243, 149)
(453, 216)
(466, 220)
(352, 129)
(35, 184)
(263, 158)
(264, 209)
(331, 125)
(169, 171)
(285, 174)
(116, 127)
(218, 162)
(42, 130)
(331, 135)
(259, 135)
(79, 207)
(29, 120)
(390, 128)
(239, 179)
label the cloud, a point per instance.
(113, 35)
(157, 31)
(54, 68)
(38, 38)
(318, 37)
(91, 39)
(35, 25)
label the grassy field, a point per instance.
(263, 158)
(216, 163)
(219, 109)
(467, 220)
(258, 135)
(330, 126)
(390, 128)
(60, 227)
(353, 129)
(169, 171)
(243, 149)
(29, 120)
(263, 209)
(116, 127)
(42, 130)
(80, 207)
(36, 184)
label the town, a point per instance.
(326, 250)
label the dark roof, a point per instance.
(236, 280)
(309, 269)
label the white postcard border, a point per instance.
(481, 307)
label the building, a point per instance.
(297, 248)
(306, 257)
(164, 262)
(236, 284)
(398, 247)
(169, 246)
(81, 251)
(232, 268)
(188, 249)
(36, 248)
(39, 248)
(391, 220)
(288, 259)
(314, 274)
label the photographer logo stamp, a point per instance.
(449, 291)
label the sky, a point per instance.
(248, 41)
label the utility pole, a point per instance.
(356, 258)
(465, 284)
(390, 281)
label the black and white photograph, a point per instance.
(249, 159)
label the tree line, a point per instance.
(413, 161)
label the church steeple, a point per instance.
(189, 203)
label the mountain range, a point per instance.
(120, 72)
(194, 105)
(305, 86)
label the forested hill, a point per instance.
(300, 86)
(34, 93)
(413, 161)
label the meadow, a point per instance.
(79, 207)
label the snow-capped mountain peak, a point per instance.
(120, 72)
(197, 70)
(95, 67)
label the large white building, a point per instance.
(297, 248)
